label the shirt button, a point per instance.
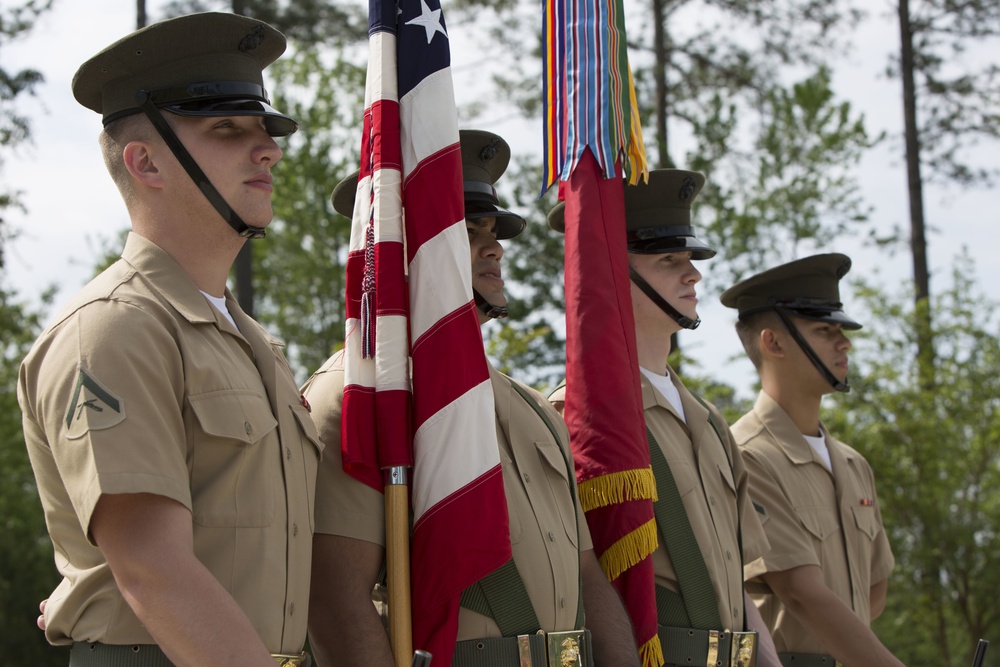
(729, 555)
(295, 529)
(736, 613)
(248, 427)
(527, 477)
(711, 501)
(291, 609)
(288, 453)
(552, 536)
(562, 602)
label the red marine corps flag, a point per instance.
(409, 299)
(591, 129)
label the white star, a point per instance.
(430, 20)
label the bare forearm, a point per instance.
(609, 625)
(344, 627)
(194, 620)
(350, 639)
(834, 625)
(147, 541)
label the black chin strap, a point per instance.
(786, 317)
(655, 297)
(491, 311)
(194, 171)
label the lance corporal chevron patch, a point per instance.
(92, 407)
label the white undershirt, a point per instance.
(666, 387)
(818, 443)
(220, 304)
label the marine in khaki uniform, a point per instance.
(707, 596)
(175, 461)
(825, 577)
(549, 537)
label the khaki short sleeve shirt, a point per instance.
(547, 530)
(141, 386)
(811, 517)
(713, 484)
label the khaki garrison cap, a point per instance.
(484, 159)
(807, 288)
(207, 64)
(657, 214)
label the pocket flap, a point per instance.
(236, 415)
(553, 456)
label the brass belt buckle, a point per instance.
(744, 650)
(566, 649)
(284, 660)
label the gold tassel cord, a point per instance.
(617, 487)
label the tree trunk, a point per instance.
(918, 240)
(140, 14)
(243, 267)
(661, 53)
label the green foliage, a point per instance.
(936, 454)
(15, 21)
(299, 267)
(27, 569)
(312, 22)
(795, 188)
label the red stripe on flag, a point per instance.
(391, 296)
(457, 341)
(395, 433)
(358, 437)
(385, 149)
(478, 504)
(430, 207)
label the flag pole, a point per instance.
(397, 551)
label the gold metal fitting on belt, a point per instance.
(744, 650)
(562, 649)
(300, 660)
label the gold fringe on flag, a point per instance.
(629, 550)
(617, 487)
(651, 653)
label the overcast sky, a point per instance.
(71, 202)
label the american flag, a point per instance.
(411, 171)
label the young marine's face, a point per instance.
(486, 254)
(674, 276)
(237, 154)
(830, 344)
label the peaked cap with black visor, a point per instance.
(808, 288)
(485, 156)
(207, 64)
(658, 221)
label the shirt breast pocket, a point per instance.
(560, 478)
(234, 459)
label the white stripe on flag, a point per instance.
(433, 298)
(444, 462)
(382, 82)
(425, 130)
(393, 369)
